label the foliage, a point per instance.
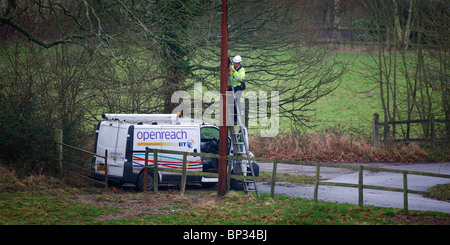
(41, 90)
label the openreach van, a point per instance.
(125, 137)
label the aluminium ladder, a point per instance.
(240, 148)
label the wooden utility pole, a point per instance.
(223, 134)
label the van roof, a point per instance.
(152, 119)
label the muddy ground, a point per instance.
(132, 205)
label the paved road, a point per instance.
(371, 197)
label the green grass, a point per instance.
(354, 102)
(55, 207)
(440, 192)
(239, 209)
(287, 177)
(49, 201)
(45, 209)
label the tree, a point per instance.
(411, 60)
(276, 43)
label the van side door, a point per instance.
(145, 136)
(181, 138)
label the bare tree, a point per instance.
(276, 43)
(411, 60)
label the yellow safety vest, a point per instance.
(238, 76)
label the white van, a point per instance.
(126, 136)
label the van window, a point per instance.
(210, 140)
(208, 133)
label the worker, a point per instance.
(237, 76)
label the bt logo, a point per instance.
(189, 144)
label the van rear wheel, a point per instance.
(150, 181)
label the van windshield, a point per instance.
(208, 133)
(210, 140)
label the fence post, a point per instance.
(183, 174)
(405, 191)
(274, 179)
(360, 187)
(106, 169)
(376, 130)
(155, 170)
(229, 166)
(58, 137)
(316, 183)
(146, 170)
(386, 134)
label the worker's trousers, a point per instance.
(232, 108)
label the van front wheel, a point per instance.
(150, 182)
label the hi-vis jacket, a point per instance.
(238, 76)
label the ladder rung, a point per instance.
(241, 152)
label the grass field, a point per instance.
(351, 105)
(354, 102)
(341, 129)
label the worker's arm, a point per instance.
(238, 75)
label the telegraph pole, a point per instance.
(223, 132)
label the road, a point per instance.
(370, 197)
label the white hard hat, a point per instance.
(237, 59)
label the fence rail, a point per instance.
(183, 171)
(74, 164)
(317, 182)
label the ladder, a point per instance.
(240, 148)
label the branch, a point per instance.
(33, 38)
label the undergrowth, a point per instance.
(338, 147)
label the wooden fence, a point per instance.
(183, 171)
(317, 182)
(75, 162)
(431, 126)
